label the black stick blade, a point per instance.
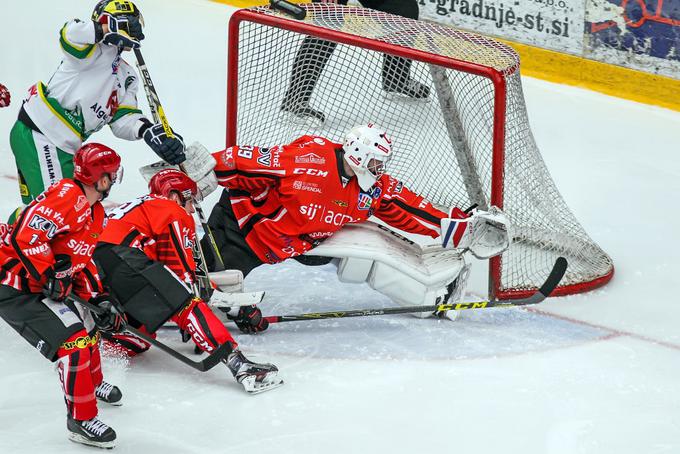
(555, 277)
(296, 11)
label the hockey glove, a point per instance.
(58, 284)
(124, 32)
(113, 320)
(170, 149)
(248, 319)
(5, 97)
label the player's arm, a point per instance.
(77, 39)
(128, 120)
(247, 168)
(31, 236)
(175, 233)
(86, 283)
(400, 207)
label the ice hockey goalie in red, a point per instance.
(286, 199)
(44, 256)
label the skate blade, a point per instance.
(76, 438)
(405, 99)
(297, 120)
(113, 404)
(254, 387)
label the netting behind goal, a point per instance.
(471, 143)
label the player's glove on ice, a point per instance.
(58, 284)
(248, 319)
(5, 97)
(170, 149)
(113, 319)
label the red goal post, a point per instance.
(474, 132)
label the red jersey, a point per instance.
(288, 198)
(60, 221)
(157, 226)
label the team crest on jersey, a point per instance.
(80, 203)
(365, 201)
(341, 203)
(115, 65)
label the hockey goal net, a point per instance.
(470, 144)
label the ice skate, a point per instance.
(111, 394)
(92, 432)
(410, 90)
(255, 378)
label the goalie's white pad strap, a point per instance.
(229, 281)
(391, 264)
(224, 300)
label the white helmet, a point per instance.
(367, 150)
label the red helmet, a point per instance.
(93, 160)
(169, 180)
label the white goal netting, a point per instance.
(467, 142)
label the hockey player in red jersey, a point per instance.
(145, 254)
(44, 256)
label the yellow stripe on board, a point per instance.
(572, 70)
(597, 76)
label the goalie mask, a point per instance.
(367, 151)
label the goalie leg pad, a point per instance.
(392, 265)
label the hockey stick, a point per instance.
(158, 115)
(556, 274)
(208, 363)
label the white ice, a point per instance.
(595, 373)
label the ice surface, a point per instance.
(594, 373)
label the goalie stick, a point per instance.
(158, 115)
(208, 363)
(554, 278)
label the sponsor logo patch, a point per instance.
(305, 186)
(265, 157)
(310, 158)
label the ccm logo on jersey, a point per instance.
(312, 172)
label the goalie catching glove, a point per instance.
(484, 233)
(198, 166)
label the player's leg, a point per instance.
(58, 333)
(39, 162)
(231, 243)
(396, 71)
(310, 61)
(103, 390)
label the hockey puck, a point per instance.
(296, 11)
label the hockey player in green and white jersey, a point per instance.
(92, 87)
